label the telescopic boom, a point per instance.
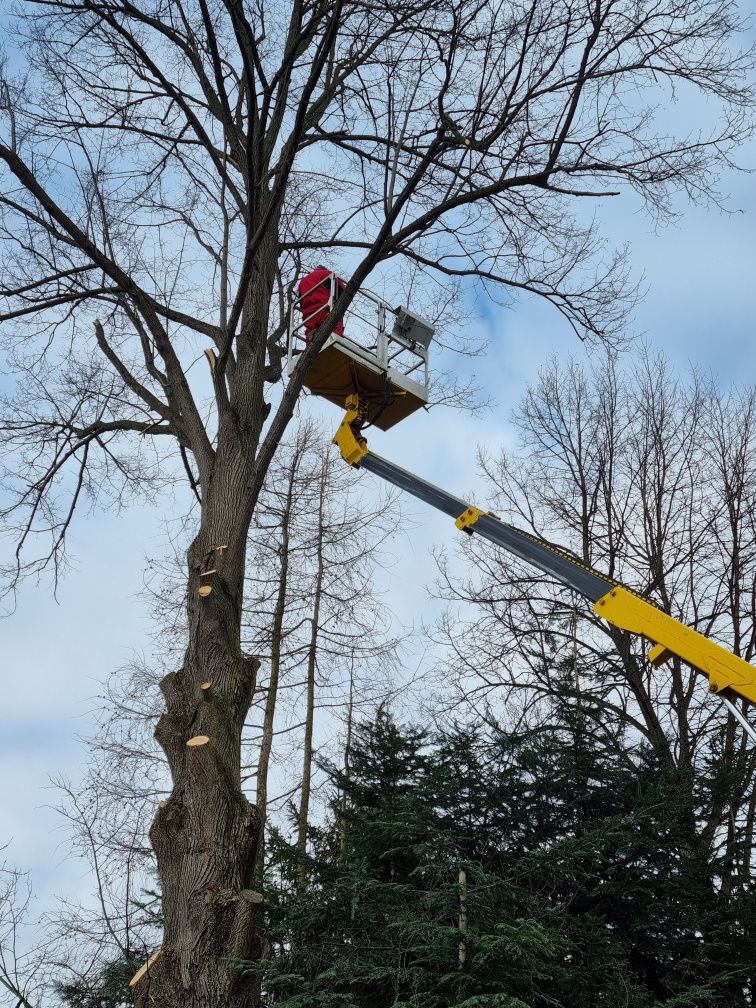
(614, 603)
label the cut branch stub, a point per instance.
(212, 359)
(197, 740)
(144, 968)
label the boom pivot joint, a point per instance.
(348, 439)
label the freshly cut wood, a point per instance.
(143, 969)
(204, 590)
(206, 687)
(212, 359)
(198, 740)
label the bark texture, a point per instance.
(206, 834)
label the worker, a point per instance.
(315, 300)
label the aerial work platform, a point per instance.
(376, 365)
(382, 356)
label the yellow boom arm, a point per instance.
(725, 670)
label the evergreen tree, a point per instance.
(108, 989)
(607, 833)
(380, 922)
(553, 867)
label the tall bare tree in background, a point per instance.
(316, 607)
(651, 478)
(169, 168)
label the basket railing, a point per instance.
(370, 333)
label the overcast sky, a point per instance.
(699, 309)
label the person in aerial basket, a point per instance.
(315, 300)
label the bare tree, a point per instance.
(89, 942)
(285, 487)
(648, 477)
(317, 609)
(169, 169)
(23, 970)
(36, 958)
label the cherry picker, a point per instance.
(378, 369)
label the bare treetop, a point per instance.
(157, 148)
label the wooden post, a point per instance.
(462, 953)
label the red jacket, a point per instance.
(314, 298)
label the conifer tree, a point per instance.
(380, 922)
(580, 886)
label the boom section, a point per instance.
(551, 560)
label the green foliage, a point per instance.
(585, 879)
(109, 988)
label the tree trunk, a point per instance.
(266, 743)
(347, 763)
(462, 945)
(206, 834)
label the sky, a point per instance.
(699, 308)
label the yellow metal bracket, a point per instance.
(468, 517)
(348, 440)
(725, 670)
(658, 655)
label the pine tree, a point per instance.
(380, 922)
(550, 868)
(607, 832)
